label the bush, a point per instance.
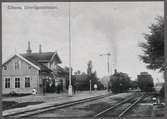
(162, 92)
(13, 93)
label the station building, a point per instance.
(22, 73)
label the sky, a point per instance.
(96, 28)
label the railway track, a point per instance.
(37, 111)
(121, 108)
(133, 99)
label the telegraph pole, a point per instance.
(108, 66)
(90, 86)
(70, 73)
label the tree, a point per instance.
(77, 72)
(134, 84)
(66, 73)
(145, 81)
(153, 48)
(82, 82)
(119, 82)
(82, 79)
(93, 77)
(95, 80)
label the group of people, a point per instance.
(34, 91)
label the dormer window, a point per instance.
(29, 66)
(5, 67)
(17, 65)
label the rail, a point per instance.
(67, 104)
(121, 103)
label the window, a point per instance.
(27, 82)
(17, 82)
(7, 82)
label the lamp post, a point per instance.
(90, 85)
(89, 71)
(70, 73)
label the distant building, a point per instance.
(24, 72)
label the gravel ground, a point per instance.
(17, 102)
(158, 110)
(146, 109)
(88, 109)
(49, 97)
(141, 110)
(116, 112)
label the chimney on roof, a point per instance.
(115, 71)
(29, 48)
(40, 48)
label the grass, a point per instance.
(15, 95)
(12, 104)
